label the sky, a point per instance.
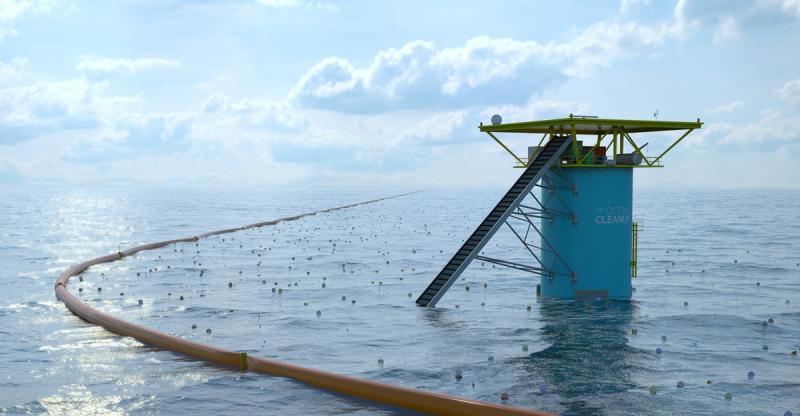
(386, 94)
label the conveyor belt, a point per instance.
(473, 245)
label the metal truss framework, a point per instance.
(525, 216)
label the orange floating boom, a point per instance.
(408, 398)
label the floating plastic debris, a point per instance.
(458, 375)
(658, 350)
(728, 396)
(764, 347)
(663, 338)
(194, 326)
(652, 390)
(770, 320)
(681, 385)
(491, 358)
(208, 330)
(319, 313)
(751, 375)
(504, 396)
(141, 302)
(544, 388)
(524, 347)
(380, 361)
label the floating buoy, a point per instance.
(466, 288)
(652, 390)
(528, 307)
(763, 323)
(758, 283)
(504, 396)
(794, 352)
(80, 278)
(728, 396)
(181, 298)
(319, 313)
(458, 375)
(122, 293)
(99, 289)
(685, 304)
(770, 320)
(788, 413)
(409, 294)
(80, 289)
(524, 347)
(709, 382)
(208, 330)
(681, 385)
(764, 347)
(230, 284)
(658, 350)
(663, 338)
(141, 302)
(194, 326)
(380, 361)
(344, 298)
(751, 375)
(491, 358)
(353, 302)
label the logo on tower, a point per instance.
(612, 215)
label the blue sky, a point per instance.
(385, 94)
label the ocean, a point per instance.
(716, 307)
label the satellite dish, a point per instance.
(496, 119)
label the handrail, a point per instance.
(408, 398)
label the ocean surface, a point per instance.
(336, 292)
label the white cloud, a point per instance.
(790, 91)
(626, 5)
(727, 29)
(13, 71)
(772, 126)
(11, 10)
(727, 107)
(106, 65)
(483, 70)
(281, 4)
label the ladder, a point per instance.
(549, 155)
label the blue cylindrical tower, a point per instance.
(586, 232)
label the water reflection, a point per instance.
(589, 353)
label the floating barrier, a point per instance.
(388, 394)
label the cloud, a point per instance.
(13, 71)
(728, 19)
(132, 66)
(26, 111)
(790, 91)
(285, 4)
(727, 107)
(11, 10)
(484, 70)
(772, 126)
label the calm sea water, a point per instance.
(713, 267)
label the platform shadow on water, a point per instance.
(589, 355)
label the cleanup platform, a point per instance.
(577, 226)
